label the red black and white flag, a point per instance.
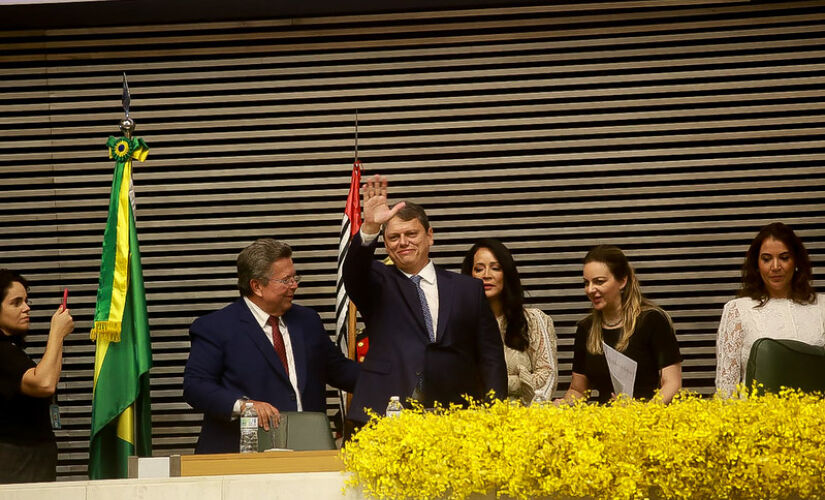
(350, 225)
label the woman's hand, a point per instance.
(579, 385)
(526, 389)
(62, 323)
(671, 382)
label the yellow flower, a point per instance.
(768, 446)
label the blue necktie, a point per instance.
(425, 308)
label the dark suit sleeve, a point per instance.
(341, 371)
(357, 273)
(202, 374)
(490, 348)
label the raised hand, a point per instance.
(62, 323)
(376, 209)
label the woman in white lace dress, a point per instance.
(528, 334)
(776, 301)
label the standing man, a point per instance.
(28, 450)
(431, 331)
(261, 348)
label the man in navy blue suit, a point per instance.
(261, 348)
(432, 333)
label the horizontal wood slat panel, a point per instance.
(389, 105)
(495, 86)
(672, 129)
(261, 64)
(500, 22)
(793, 49)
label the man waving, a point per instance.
(431, 331)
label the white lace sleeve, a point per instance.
(729, 343)
(542, 353)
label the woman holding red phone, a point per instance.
(28, 450)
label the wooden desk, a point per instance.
(260, 463)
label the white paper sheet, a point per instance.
(622, 370)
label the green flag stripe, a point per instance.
(109, 455)
(122, 379)
(107, 259)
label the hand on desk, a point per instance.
(266, 414)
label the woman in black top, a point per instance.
(623, 319)
(28, 451)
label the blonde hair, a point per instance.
(633, 302)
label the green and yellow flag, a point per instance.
(121, 411)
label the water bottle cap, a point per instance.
(395, 398)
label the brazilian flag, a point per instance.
(121, 410)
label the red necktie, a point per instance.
(278, 342)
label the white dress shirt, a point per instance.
(262, 317)
(429, 282)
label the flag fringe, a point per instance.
(106, 330)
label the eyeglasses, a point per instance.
(288, 280)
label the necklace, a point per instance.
(612, 325)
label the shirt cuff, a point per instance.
(368, 238)
(236, 409)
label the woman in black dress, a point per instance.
(624, 320)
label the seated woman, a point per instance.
(528, 333)
(776, 301)
(624, 320)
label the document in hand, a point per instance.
(622, 370)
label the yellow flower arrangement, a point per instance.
(760, 446)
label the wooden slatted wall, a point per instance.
(672, 129)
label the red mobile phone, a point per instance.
(65, 297)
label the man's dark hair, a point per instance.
(412, 211)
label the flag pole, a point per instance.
(352, 312)
(121, 423)
(351, 318)
(127, 128)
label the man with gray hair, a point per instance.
(261, 348)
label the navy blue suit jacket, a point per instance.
(467, 357)
(231, 357)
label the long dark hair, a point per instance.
(802, 291)
(512, 293)
(633, 302)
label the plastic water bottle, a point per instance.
(249, 429)
(394, 407)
